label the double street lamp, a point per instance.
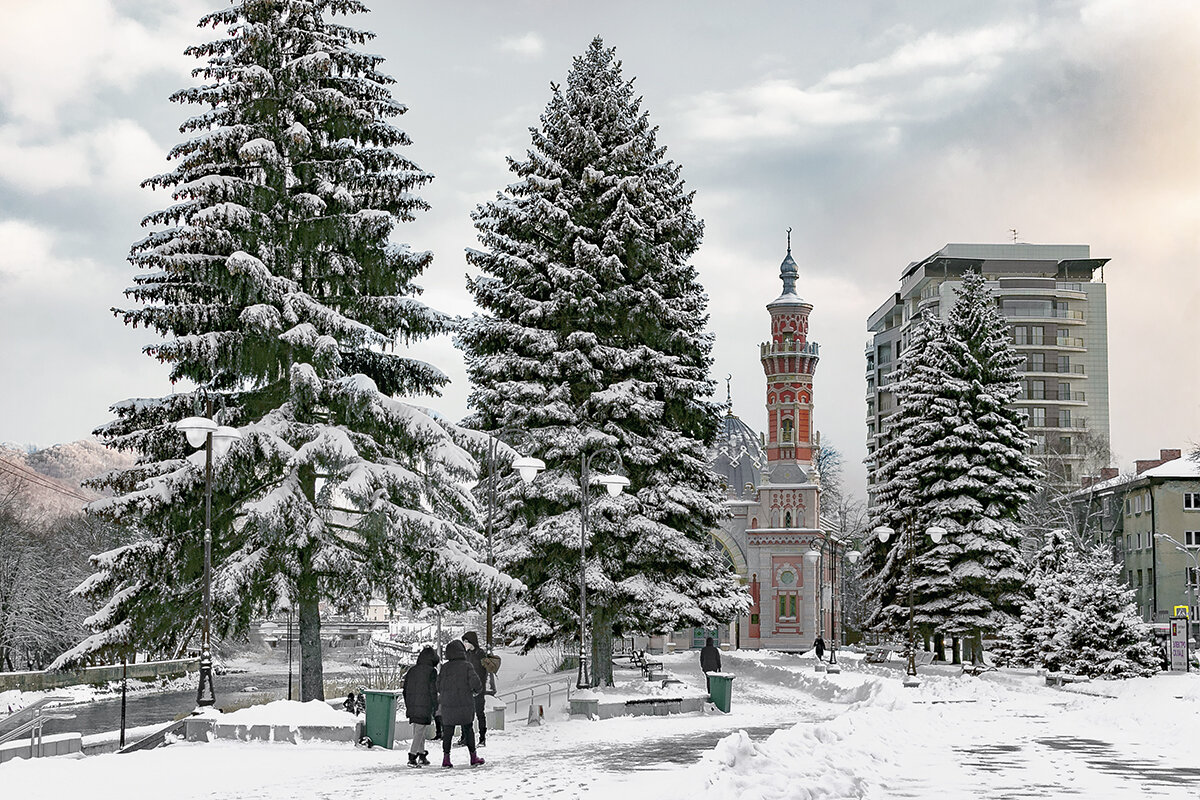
(527, 468)
(935, 533)
(615, 484)
(216, 441)
(815, 555)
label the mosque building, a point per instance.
(786, 553)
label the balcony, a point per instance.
(1052, 396)
(788, 348)
(1069, 370)
(1032, 314)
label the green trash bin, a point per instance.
(720, 689)
(381, 716)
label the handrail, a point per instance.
(548, 688)
(31, 711)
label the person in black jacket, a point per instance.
(458, 684)
(819, 646)
(420, 703)
(475, 659)
(710, 660)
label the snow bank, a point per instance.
(291, 713)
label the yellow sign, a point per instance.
(1180, 611)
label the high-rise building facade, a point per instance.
(1055, 301)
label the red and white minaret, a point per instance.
(789, 361)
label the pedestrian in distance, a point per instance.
(819, 646)
(458, 685)
(420, 703)
(710, 660)
(475, 659)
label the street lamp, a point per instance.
(1191, 589)
(527, 468)
(216, 440)
(814, 555)
(935, 533)
(615, 484)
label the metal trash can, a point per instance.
(381, 716)
(720, 689)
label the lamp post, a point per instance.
(527, 468)
(216, 440)
(615, 485)
(814, 555)
(935, 533)
(1191, 589)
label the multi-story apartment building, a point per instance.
(1152, 520)
(1054, 297)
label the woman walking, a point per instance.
(457, 686)
(420, 703)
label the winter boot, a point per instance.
(412, 760)
(423, 758)
(476, 760)
(446, 760)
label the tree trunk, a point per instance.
(939, 646)
(954, 650)
(312, 678)
(602, 647)
(977, 647)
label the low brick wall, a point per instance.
(143, 671)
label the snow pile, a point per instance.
(291, 713)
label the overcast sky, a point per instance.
(877, 131)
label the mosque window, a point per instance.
(789, 605)
(788, 429)
(787, 519)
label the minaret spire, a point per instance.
(728, 395)
(787, 270)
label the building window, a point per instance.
(1039, 390)
(1137, 504)
(1191, 501)
(1192, 576)
(1020, 335)
(788, 429)
(1191, 538)
(1064, 418)
(789, 606)
(1035, 362)
(1129, 548)
(1064, 363)
(1037, 417)
(1037, 334)
(787, 519)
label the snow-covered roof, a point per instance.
(1175, 469)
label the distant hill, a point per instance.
(51, 479)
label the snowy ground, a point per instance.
(792, 733)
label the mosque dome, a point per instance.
(738, 457)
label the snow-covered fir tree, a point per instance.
(277, 289)
(912, 433)
(955, 457)
(1030, 638)
(1099, 632)
(981, 474)
(593, 335)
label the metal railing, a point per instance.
(30, 720)
(529, 694)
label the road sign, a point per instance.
(1180, 611)
(1179, 644)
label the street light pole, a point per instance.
(203, 431)
(935, 533)
(615, 484)
(1191, 589)
(528, 468)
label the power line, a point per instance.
(24, 473)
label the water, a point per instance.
(159, 708)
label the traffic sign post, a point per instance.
(1179, 644)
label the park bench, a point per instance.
(877, 654)
(648, 668)
(1061, 678)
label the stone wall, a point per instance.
(145, 671)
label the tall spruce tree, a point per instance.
(593, 335)
(1031, 636)
(273, 279)
(913, 432)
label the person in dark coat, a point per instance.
(420, 703)
(458, 685)
(819, 646)
(710, 660)
(475, 659)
